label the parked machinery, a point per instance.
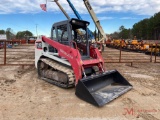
(154, 49)
(116, 43)
(129, 45)
(31, 39)
(67, 60)
(143, 47)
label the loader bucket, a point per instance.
(101, 89)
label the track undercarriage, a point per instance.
(55, 73)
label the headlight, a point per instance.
(73, 21)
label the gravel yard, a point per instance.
(25, 97)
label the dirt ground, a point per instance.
(24, 97)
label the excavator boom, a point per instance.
(95, 19)
(61, 8)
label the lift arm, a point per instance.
(95, 19)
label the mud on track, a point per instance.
(24, 97)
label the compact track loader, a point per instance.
(68, 59)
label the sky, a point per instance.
(21, 15)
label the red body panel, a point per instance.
(74, 57)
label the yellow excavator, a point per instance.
(154, 49)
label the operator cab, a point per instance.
(72, 32)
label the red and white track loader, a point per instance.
(68, 59)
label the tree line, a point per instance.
(146, 29)
(10, 34)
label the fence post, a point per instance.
(155, 54)
(4, 52)
(151, 53)
(120, 51)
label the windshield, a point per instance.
(80, 37)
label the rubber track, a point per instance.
(64, 69)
